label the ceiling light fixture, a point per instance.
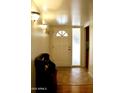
(35, 16)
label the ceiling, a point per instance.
(61, 12)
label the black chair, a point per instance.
(46, 74)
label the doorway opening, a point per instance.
(75, 46)
(87, 47)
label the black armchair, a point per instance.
(46, 74)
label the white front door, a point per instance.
(61, 46)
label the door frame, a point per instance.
(87, 47)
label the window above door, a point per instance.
(61, 33)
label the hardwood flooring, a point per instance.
(74, 80)
(75, 89)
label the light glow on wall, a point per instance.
(43, 26)
(76, 13)
(62, 19)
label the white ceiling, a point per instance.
(61, 12)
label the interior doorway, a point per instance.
(87, 47)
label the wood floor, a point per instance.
(75, 89)
(74, 80)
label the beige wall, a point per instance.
(91, 38)
(39, 44)
(88, 21)
(83, 43)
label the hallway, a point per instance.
(58, 28)
(74, 80)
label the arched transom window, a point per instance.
(61, 34)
